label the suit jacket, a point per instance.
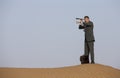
(88, 29)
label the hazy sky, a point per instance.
(43, 33)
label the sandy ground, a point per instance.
(79, 71)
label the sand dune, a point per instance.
(79, 71)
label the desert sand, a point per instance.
(78, 71)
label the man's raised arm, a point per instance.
(81, 27)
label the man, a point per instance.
(87, 25)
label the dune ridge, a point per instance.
(78, 71)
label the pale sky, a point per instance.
(43, 33)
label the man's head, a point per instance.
(86, 18)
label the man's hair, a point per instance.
(86, 17)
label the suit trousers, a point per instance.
(89, 49)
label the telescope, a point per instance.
(79, 20)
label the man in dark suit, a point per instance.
(87, 25)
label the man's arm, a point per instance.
(81, 27)
(85, 25)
